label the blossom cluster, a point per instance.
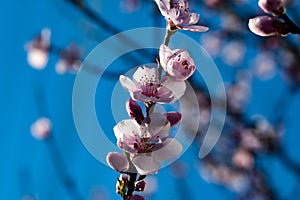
(145, 138)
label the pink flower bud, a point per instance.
(117, 161)
(134, 111)
(268, 26)
(275, 7)
(140, 185)
(136, 197)
(173, 117)
(41, 128)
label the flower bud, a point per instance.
(41, 128)
(117, 161)
(275, 7)
(140, 185)
(121, 185)
(134, 111)
(136, 197)
(173, 117)
(268, 26)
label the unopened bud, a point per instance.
(117, 161)
(140, 185)
(275, 7)
(268, 26)
(134, 111)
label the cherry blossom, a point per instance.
(147, 87)
(41, 128)
(178, 16)
(38, 50)
(148, 143)
(177, 63)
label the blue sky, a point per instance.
(26, 166)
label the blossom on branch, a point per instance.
(147, 143)
(177, 63)
(178, 15)
(147, 87)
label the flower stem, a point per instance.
(293, 27)
(132, 179)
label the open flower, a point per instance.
(178, 16)
(38, 50)
(177, 63)
(146, 86)
(147, 143)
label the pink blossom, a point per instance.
(117, 161)
(70, 60)
(41, 128)
(177, 63)
(146, 86)
(275, 7)
(268, 26)
(148, 143)
(177, 14)
(38, 50)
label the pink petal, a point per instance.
(177, 87)
(195, 28)
(173, 117)
(145, 164)
(145, 74)
(171, 149)
(127, 84)
(275, 7)
(164, 53)
(129, 128)
(117, 161)
(164, 6)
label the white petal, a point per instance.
(177, 87)
(128, 127)
(164, 53)
(145, 75)
(171, 150)
(157, 123)
(127, 83)
(164, 6)
(146, 164)
(195, 28)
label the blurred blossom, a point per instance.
(41, 128)
(98, 193)
(233, 53)
(275, 7)
(38, 50)
(264, 65)
(69, 60)
(231, 23)
(268, 26)
(238, 95)
(263, 126)
(243, 159)
(238, 182)
(130, 6)
(249, 140)
(214, 3)
(212, 43)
